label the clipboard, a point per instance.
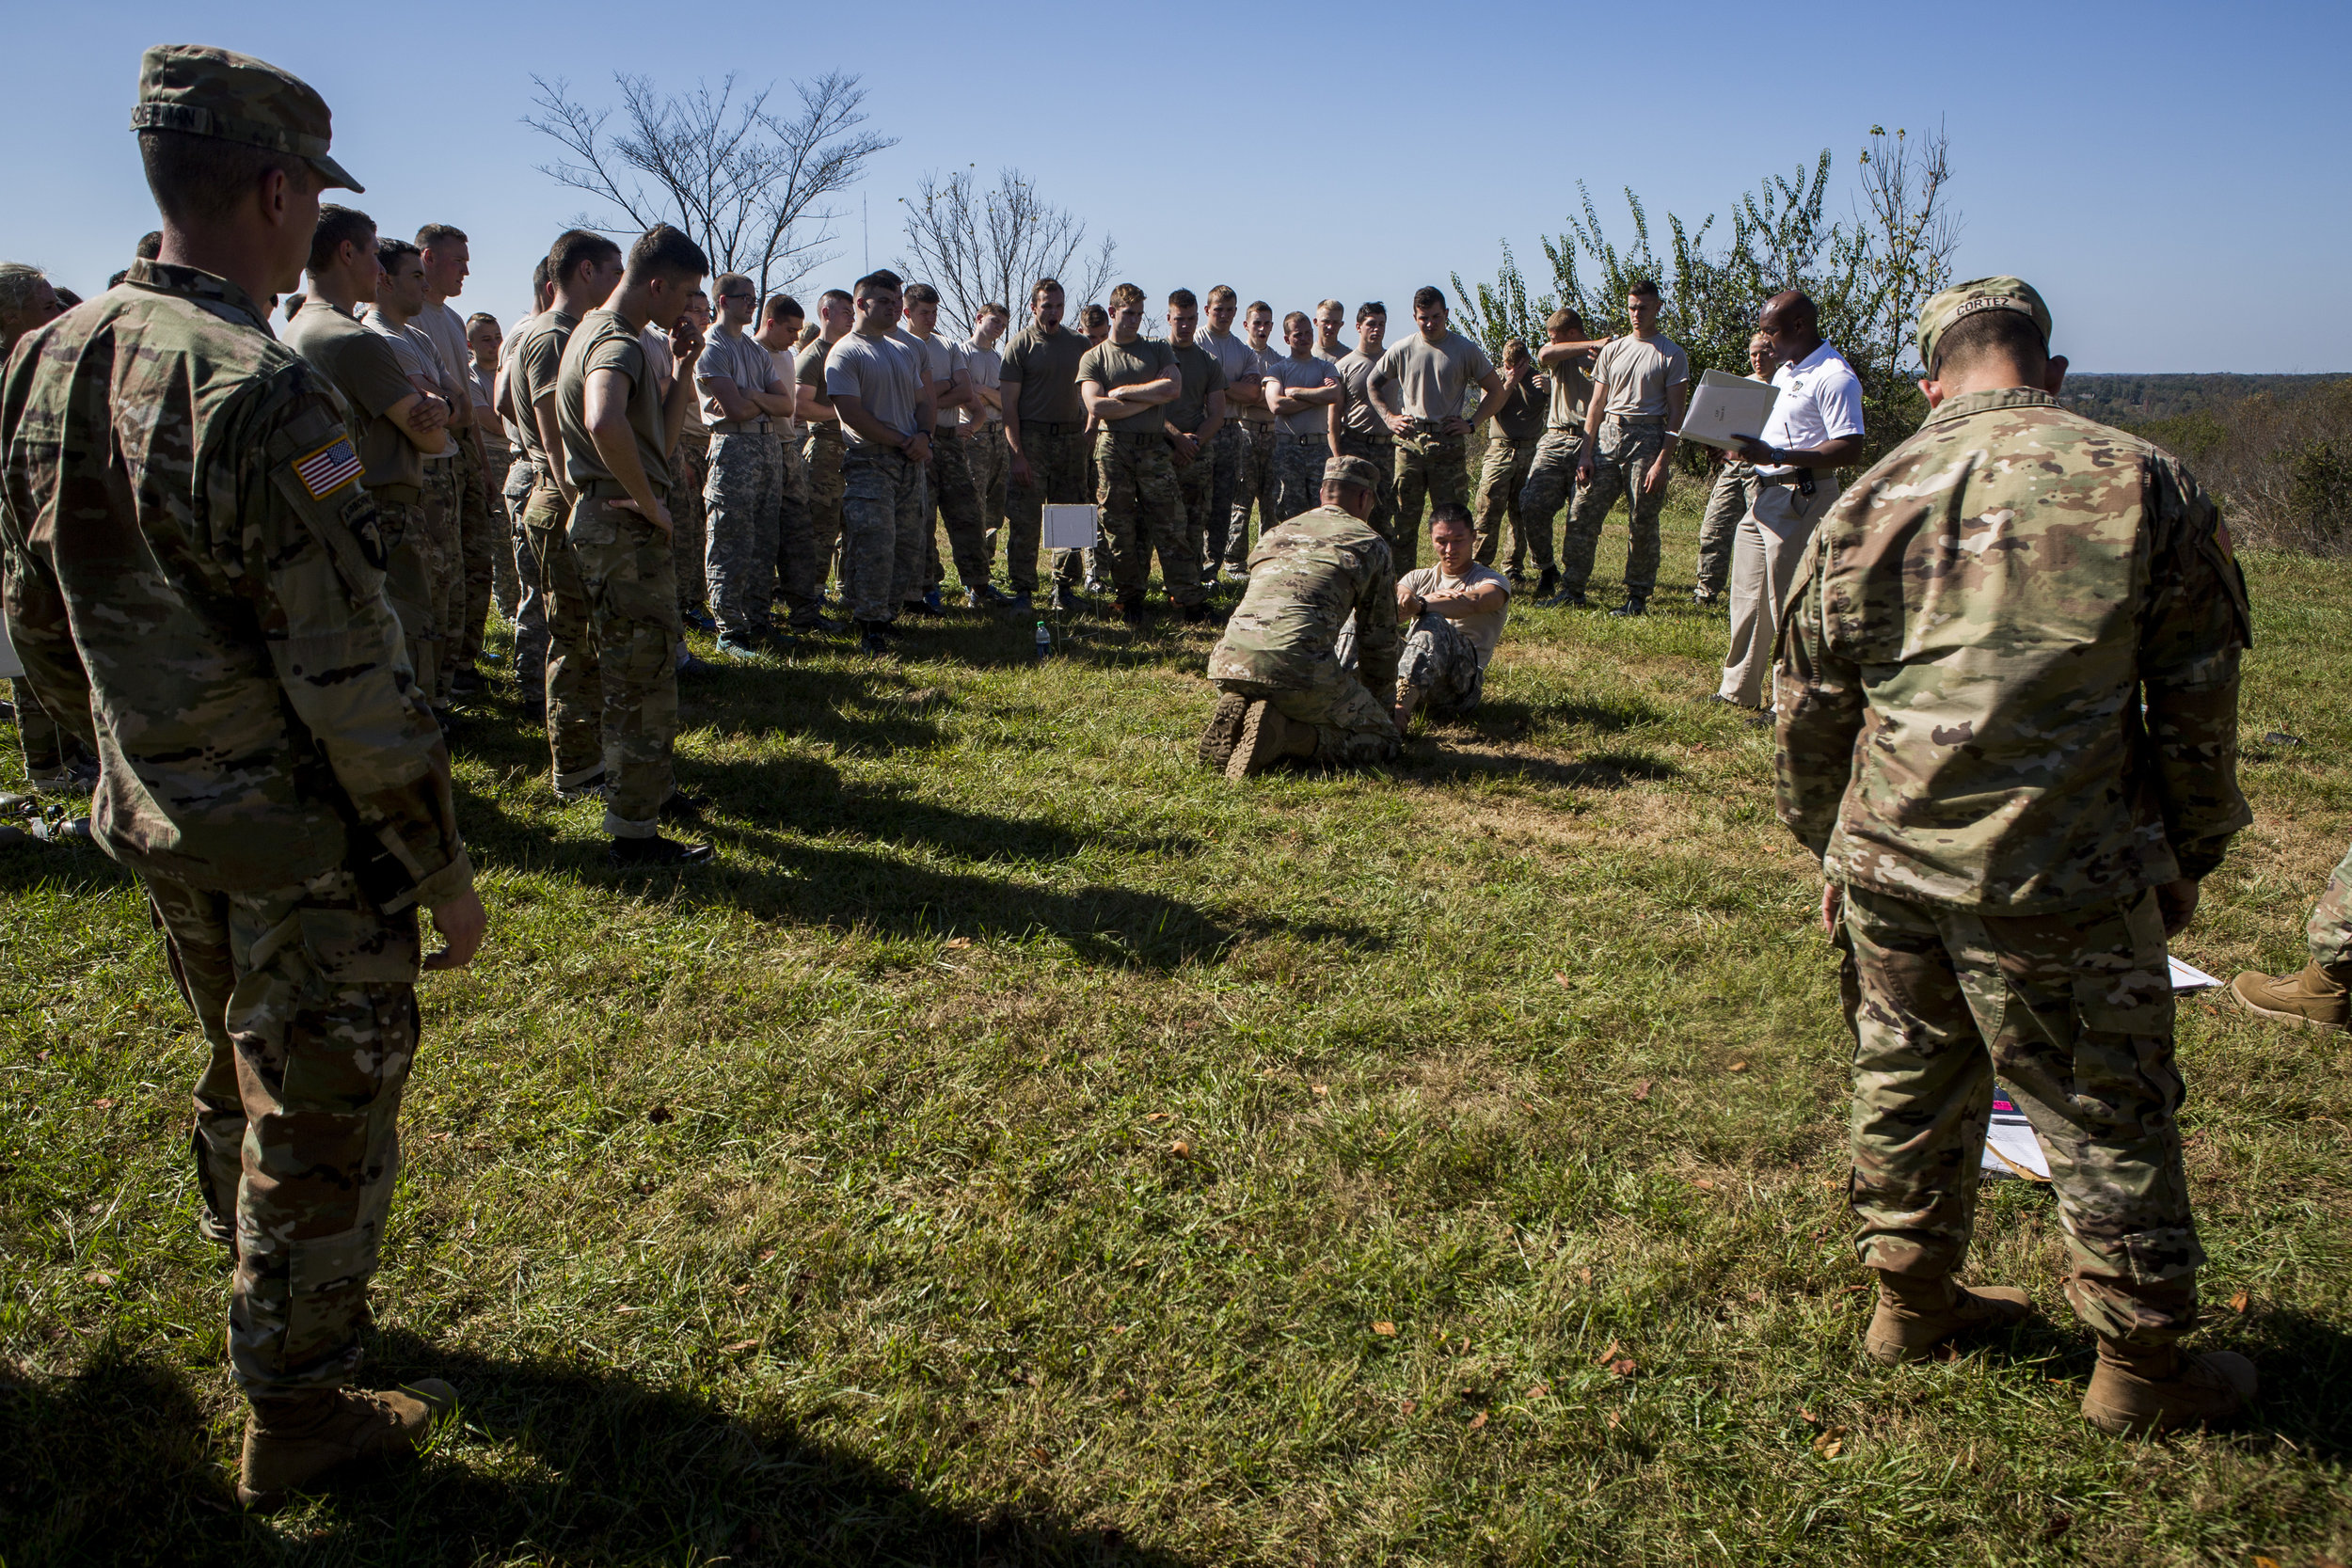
(1723, 407)
(1071, 527)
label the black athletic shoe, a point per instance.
(1131, 610)
(1630, 608)
(682, 807)
(641, 853)
(1548, 583)
(1567, 598)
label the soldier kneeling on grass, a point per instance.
(1286, 693)
(2007, 714)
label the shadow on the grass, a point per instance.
(559, 1462)
(1600, 771)
(72, 868)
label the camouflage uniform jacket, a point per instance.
(1963, 666)
(1306, 578)
(194, 576)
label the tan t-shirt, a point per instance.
(1571, 393)
(1203, 375)
(604, 342)
(1112, 365)
(1356, 415)
(364, 368)
(1483, 631)
(1638, 374)
(1302, 375)
(1431, 379)
(1047, 370)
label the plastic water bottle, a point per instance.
(1044, 642)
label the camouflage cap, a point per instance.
(1963, 300)
(216, 93)
(1351, 470)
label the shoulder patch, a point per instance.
(329, 468)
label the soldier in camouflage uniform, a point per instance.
(1253, 454)
(1301, 389)
(201, 589)
(1284, 691)
(1044, 419)
(1450, 616)
(522, 477)
(821, 445)
(982, 431)
(55, 761)
(746, 403)
(1567, 356)
(1429, 377)
(1195, 425)
(1357, 429)
(2008, 721)
(1236, 360)
(1732, 496)
(883, 400)
(689, 477)
(1128, 383)
(1641, 386)
(616, 426)
(2321, 993)
(1518, 425)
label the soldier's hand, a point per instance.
(463, 923)
(1832, 907)
(2178, 903)
(1017, 469)
(918, 449)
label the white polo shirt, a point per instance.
(1819, 402)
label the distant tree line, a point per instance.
(2278, 460)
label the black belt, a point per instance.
(740, 427)
(1799, 479)
(1053, 427)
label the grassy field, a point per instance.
(1024, 1148)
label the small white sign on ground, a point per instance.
(1070, 528)
(2189, 976)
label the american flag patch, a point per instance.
(329, 468)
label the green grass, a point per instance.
(1011, 1152)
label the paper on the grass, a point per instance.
(2009, 1147)
(1724, 407)
(2189, 976)
(1070, 527)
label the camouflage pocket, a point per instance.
(359, 945)
(2153, 1257)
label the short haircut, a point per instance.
(538, 276)
(1450, 511)
(1427, 295)
(895, 282)
(1759, 336)
(921, 293)
(1042, 287)
(782, 307)
(114, 280)
(1331, 305)
(293, 304)
(1514, 348)
(1182, 299)
(151, 245)
(338, 227)
(1223, 294)
(1565, 316)
(440, 233)
(575, 248)
(992, 307)
(727, 280)
(1299, 316)
(478, 318)
(1258, 305)
(830, 296)
(19, 284)
(1645, 287)
(1093, 314)
(199, 179)
(1370, 308)
(390, 252)
(663, 252)
(1125, 296)
(1990, 334)
(876, 283)
(67, 298)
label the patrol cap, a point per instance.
(217, 92)
(1350, 471)
(1963, 300)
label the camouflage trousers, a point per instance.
(307, 997)
(574, 680)
(1196, 486)
(1502, 480)
(1435, 660)
(1732, 498)
(445, 579)
(744, 503)
(531, 601)
(2329, 930)
(1551, 480)
(956, 498)
(481, 534)
(1298, 462)
(408, 584)
(1056, 458)
(1223, 462)
(1254, 487)
(631, 580)
(1353, 728)
(800, 571)
(2072, 1011)
(1380, 452)
(883, 507)
(1621, 462)
(506, 591)
(1143, 512)
(986, 454)
(1432, 470)
(49, 749)
(689, 519)
(822, 451)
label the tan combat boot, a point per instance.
(1223, 731)
(290, 1442)
(1266, 738)
(1916, 1315)
(2315, 996)
(2137, 1390)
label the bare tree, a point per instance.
(748, 183)
(976, 246)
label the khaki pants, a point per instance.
(1764, 560)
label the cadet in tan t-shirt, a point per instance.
(1641, 384)
(1419, 387)
(1566, 356)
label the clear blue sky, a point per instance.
(2171, 178)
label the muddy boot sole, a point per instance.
(1223, 731)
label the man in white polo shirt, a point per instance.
(1815, 429)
